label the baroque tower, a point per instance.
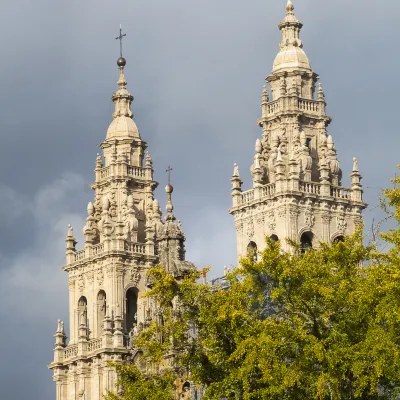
(297, 191)
(124, 236)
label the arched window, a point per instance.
(274, 238)
(338, 239)
(131, 308)
(101, 311)
(252, 250)
(306, 241)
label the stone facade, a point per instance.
(297, 191)
(125, 235)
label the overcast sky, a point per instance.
(196, 69)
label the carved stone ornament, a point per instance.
(90, 277)
(309, 218)
(81, 283)
(341, 223)
(281, 213)
(250, 228)
(260, 219)
(239, 226)
(271, 221)
(100, 277)
(134, 276)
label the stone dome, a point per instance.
(122, 127)
(291, 58)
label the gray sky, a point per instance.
(196, 69)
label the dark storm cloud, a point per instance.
(196, 69)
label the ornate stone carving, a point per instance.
(341, 223)
(271, 221)
(260, 219)
(309, 218)
(100, 277)
(81, 283)
(239, 226)
(134, 276)
(250, 228)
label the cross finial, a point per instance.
(120, 37)
(169, 169)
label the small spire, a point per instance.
(169, 189)
(355, 165)
(321, 94)
(236, 170)
(289, 6)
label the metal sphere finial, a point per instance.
(121, 62)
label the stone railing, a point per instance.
(268, 190)
(273, 107)
(310, 187)
(105, 172)
(94, 344)
(135, 248)
(341, 193)
(80, 255)
(132, 171)
(247, 196)
(70, 351)
(310, 106)
(97, 249)
(137, 172)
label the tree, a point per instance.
(320, 325)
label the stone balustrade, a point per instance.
(123, 169)
(98, 249)
(268, 190)
(247, 196)
(287, 103)
(135, 248)
(309, 106)
(95, 344)
(341, 193)
(311, 188)
(70, 351)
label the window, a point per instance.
(131, 308)
(252, 251)
(274, 238)
(306, 242)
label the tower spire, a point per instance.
(169, 189)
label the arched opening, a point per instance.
(131, 308)
(338, 239)
(82, 309)
(274, 239)
(252, 251)
(306, 241)
(101, 311)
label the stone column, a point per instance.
(326, 222)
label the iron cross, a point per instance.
(169, 169)
(120, 37)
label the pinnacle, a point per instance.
(289, 6)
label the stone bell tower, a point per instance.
(125, 235)
(297, 191)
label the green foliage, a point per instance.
(138, 386)
(321, 325)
